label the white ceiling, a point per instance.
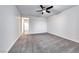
(30, 10)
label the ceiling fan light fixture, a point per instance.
(44, 11)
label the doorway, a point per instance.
(25, 25)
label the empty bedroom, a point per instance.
(39, 29)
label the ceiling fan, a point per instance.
(44, 9)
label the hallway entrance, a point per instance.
(25, 25)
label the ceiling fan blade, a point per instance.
(49, 7)
(41, 6)
(39, 10)
(48, 11)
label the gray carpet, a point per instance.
(44, 43)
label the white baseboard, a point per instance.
(37, 33)
(13, 43)
(65, 37)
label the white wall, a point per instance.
(66, 24)
(37, 25)
(10, 26)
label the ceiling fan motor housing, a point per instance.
(44, 9)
